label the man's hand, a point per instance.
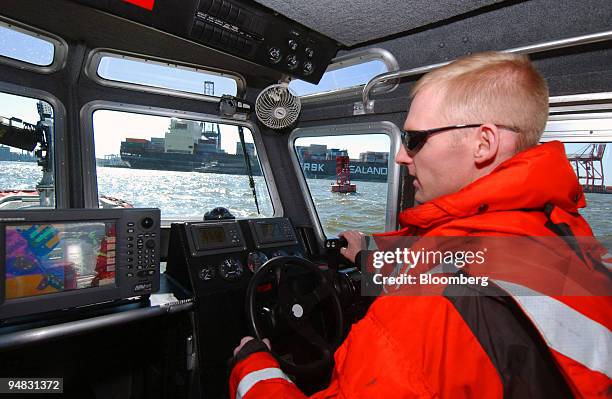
(356, 243)
(244, 340)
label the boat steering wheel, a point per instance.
(296, 310)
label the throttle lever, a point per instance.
(333, 246)
(336, 243)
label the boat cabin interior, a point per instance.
(174, 174)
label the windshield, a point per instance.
(26, 153)
(184, 167)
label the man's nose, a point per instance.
(404, 157)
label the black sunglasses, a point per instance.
(414, 139)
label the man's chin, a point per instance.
(418, 198)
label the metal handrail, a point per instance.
(368, 105)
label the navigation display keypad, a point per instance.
(142, 260)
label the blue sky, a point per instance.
(346, 77)
(113, 127)
(17, 45)
(157, 75)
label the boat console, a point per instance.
(246, 277)
(224, 279)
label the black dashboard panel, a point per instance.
(241, 28)
(221, 255)
(252, 32)
(215, 261)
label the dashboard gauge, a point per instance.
(231, 269)
(307, 68)
(279, 252)
(207, 273)
(292, 61)
(255, 260)
(274, 55)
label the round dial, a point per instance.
(293, 45)
(292, 61)
(307, 68)
(256, 260)
(231, 269)
(147, 223)
(206, 273)
(309, 52)
(274, 54)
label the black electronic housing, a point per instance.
(133, 227)
(240, 28)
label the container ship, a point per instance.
(187, 146)
(319, 162)
(192, 146)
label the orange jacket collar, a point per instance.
(527, 181)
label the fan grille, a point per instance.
(277, 106)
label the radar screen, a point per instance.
(56, 257)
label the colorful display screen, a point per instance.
(56, 257)
(212, 235)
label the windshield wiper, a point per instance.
(247, 160)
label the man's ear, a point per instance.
(486, 144)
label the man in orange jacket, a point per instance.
(471, 143)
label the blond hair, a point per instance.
(493, 87)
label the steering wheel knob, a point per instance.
(297, 310)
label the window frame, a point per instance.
(90, 178)
(574, 110)
(351, 59)
(95, 57)
(60, 48)
(579, 107)
(393, 174)
(59, 147)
